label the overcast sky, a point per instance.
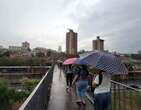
(44, 23)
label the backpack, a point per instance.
(100, 79)
(69, 71)
(83, 74)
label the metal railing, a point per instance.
(125, 97)
(39, 97)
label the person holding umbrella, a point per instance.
(69, 77)
(106, 64)
(81, 81)
(69, 72)
(102, 94)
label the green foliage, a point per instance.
(35, 61)
(4, 53)
(9, 96)
(4, 97)
(40, 54)
(29, 84)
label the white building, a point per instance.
(18, 51)
(59, 49)
(24, 48)
(15, 48)
(37, 50)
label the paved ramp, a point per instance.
(60, 99)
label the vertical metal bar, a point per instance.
(121, 97)
(113, 96)
(124, 98)
(131, 98)
(116, 97)
(128, 98)
(119, 107)
(138, 100)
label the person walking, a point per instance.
(102, 94)
(107, 65)
(69, 77)
(81, 82)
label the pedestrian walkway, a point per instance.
(60, 99)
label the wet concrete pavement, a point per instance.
(60, 99)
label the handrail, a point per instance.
(36, 95)
(33, 92)
(115, 82)
(90, 98)
(125, 97)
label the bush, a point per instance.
(4, 95)
(9, 96)
(29, 84)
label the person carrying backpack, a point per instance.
(102, 94)
(81, 82)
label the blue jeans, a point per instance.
(81, 87)
(102, 101)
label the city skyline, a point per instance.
(41, 23)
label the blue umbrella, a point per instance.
(103, 61)
(80, 62)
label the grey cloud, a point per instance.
(118, 22)
(121, 20)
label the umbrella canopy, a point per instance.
(69, 61)
(103, 61)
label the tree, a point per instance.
(40, 54)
